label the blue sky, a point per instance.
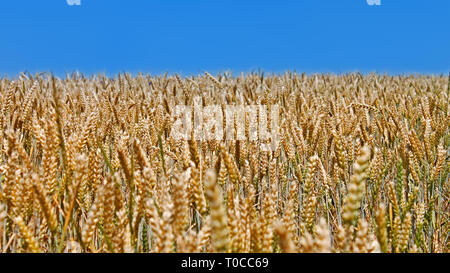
(189, 37)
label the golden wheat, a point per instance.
(89, 164)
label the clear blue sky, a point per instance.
(191, 36)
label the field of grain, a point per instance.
(88, 164)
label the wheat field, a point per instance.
(88, 165)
